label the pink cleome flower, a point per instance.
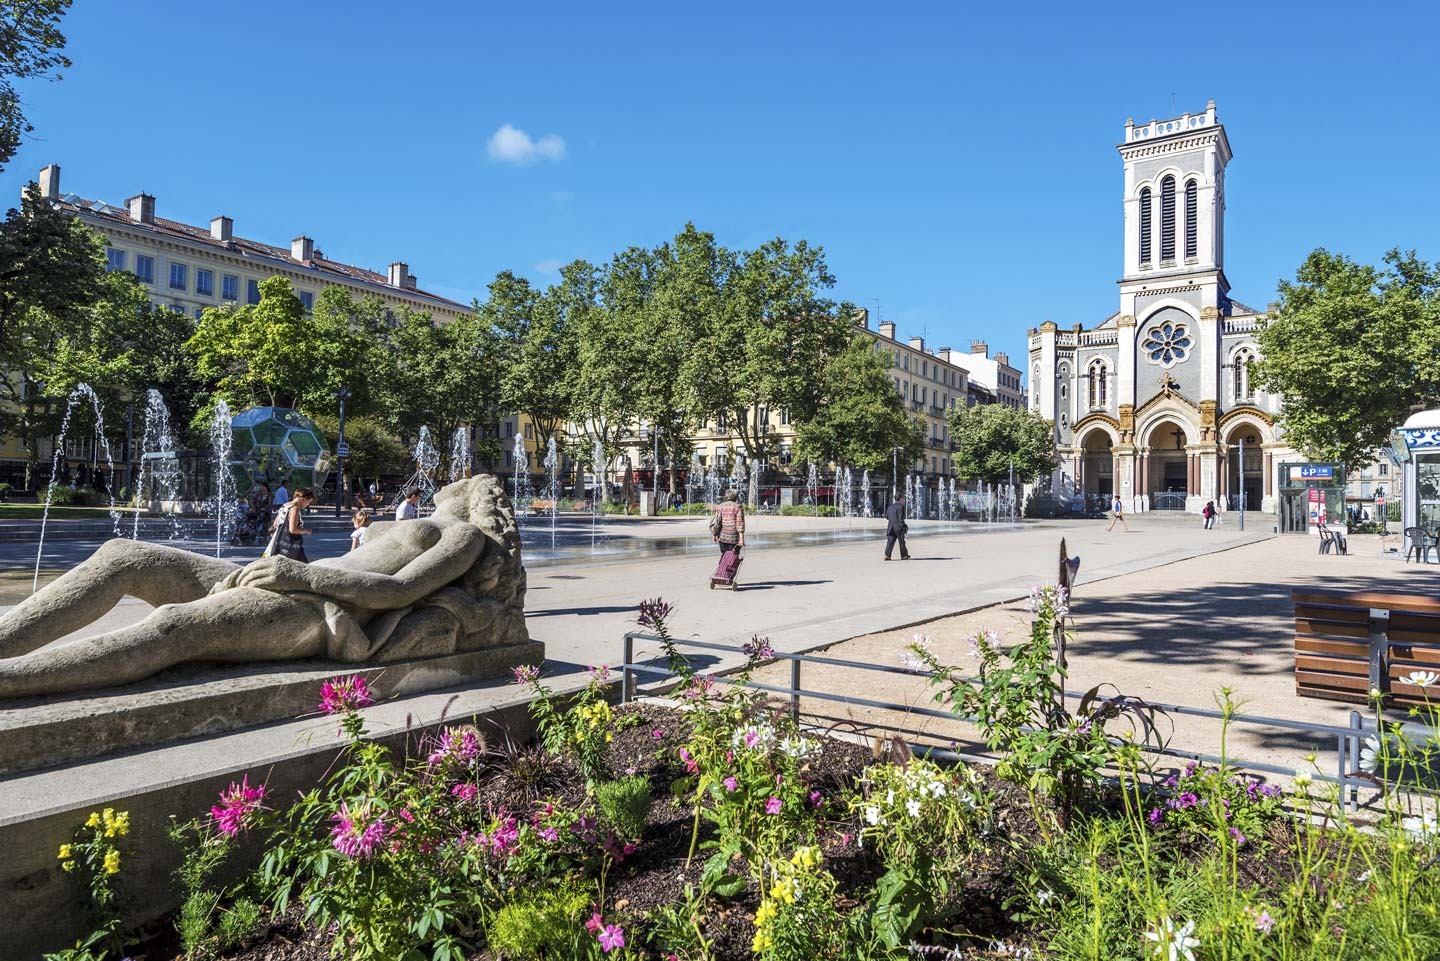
(343, 694)
(526, 674)
(730, 783)
(355, 833)
(653, 614)
(773, 805)
(455, 744)
(237, 803)
(464, 792)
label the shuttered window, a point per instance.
(1167, 220)
(1192, 207)
(1145, 226)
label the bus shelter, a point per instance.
(1417, 447)
(1311, 496)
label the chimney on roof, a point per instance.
(1002, 359)
(410, 282)
(399, 275)
(302, 249)
(142, 208)
(945, 355)
(222, 229)
(50, 182)
(887, 329)
(918, 343)
(980, 347)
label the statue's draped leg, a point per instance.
(152, 572)
(242, 624)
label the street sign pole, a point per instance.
(1241, 467)
(341, 450)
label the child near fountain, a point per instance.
(362, 528)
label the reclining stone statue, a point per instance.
(449, 583)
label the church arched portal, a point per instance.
(1167, 467)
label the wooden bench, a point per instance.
(1348, 644)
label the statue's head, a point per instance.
(469, 499)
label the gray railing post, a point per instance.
(795, 690)
(627, 677)
(1380, 650)
(1350, 751)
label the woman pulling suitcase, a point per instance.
(728, 529)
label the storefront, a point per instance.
(1311, 496)
(1417, 445)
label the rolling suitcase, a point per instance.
(725, 572)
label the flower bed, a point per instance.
(720, 830)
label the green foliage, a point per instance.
(991, 438)
(1351, 348)
(537, 343)
(807, 510)
(544, 925)
(30, 45)
(93, 859)
(625, 804)
(585, 729)
(859, 419)
(374, 449)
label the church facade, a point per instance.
(1156, 403)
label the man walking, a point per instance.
(1117, 508)
(895, 528)
(409, 509)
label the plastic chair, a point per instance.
(1420, 544)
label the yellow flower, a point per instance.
(784, 892)
(122, 823)
(64, 852)
(806, 857)
(68, 866)
(112, 862)
(766, 913)
(94, 820)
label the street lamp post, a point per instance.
(342, 395)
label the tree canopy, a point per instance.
(989, 438)
(30, 45)
(860, 419)
(1351, 348)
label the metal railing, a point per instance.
(1347, 738)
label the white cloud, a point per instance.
(510, 144)
(549, 266)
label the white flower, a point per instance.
(1303, 779)
(1044, 895)
(1422, 678)
(1362, 878)
(1172, 943)
(1422, 828)
(1370, 754)
(913, 808)
(872, 815)
(799, 748)
(890, 796)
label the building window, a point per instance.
(1167, 344)
(229, 287)
(199, 313)
(1241, 375)
(307, 300)
(145, 268)
(252, 291)
(1192, 230)
(1167, 220)
(1384, 470)
(907, 361)
(1145, 226)
(205, 283)
(178, 308)
(1099, 388)
(177, 276)
(509, 429)
(529, 431)
(114, 259)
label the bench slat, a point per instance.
(1321, 681)
(1333, 648)
(1367, 599)
(1330, 629)
(1349, 615)
(1335, 665)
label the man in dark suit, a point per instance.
(895, 528)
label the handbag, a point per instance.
(281, 523)
(716, 524)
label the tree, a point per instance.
(860, 419)
(265, 354)
(52, 281)
(768, 335)
(441, 376)
(374, 448)
(30, 45)
(537, 348)
(1350, 349)
(348, 334)
(991, 438)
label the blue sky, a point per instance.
(957, 162)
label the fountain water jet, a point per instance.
(521, 489)
(552, 487)
(82, 390)
(158, 462)
(459, 455)
(222, 438)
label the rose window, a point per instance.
(1167, 344)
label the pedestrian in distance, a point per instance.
(409, 508)
(362, 529)
(1208, 512)
(288, 540)
(281, 498)
(895, 528)
(1117, 513)
(727, 528)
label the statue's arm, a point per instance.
(452, 555)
